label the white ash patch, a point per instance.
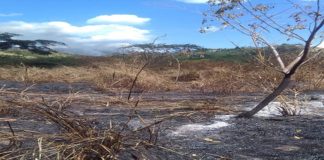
(194, 128)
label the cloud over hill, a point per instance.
(99, 34)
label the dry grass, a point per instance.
(75, 137)
(116, 74)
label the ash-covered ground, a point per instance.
(188, 125)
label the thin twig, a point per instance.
(11, 130)
(135, 79)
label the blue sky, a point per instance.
(105, 24)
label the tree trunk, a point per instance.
(283, 85)
(285, 81)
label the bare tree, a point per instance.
(155, 52)
(296, 20)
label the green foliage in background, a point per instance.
(22, 57)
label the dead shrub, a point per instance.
(78, 141)
(188, 77)
(290, 106)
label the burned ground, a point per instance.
(296, 137)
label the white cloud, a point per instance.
(194, 1)
(321, 45)
(118, 19)
(90, 38)
(10, 14)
